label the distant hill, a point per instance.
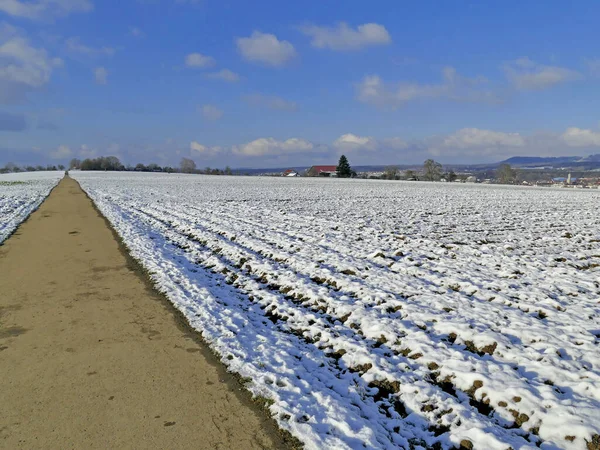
(539, 160)
(595, 158)
(588, 162)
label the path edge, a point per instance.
(38, 206)
(233, 380)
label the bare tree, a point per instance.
(75, 163)
(110, 163)
(506, 174)
(391, 173)
(450, 176)
(432, 170)
(11, 167)
(187, 165)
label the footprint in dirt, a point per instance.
(12, 332)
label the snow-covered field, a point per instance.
(384, 314)
(20, 194)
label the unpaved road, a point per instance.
(91, 357)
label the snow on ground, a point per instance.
(20, 194)
(384, 314)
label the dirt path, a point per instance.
(90, 357)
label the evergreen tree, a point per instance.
(343, 168)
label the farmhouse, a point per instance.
(290, 173)
(322, 171)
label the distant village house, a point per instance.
(290, 173)
(322, 171)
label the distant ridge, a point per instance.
(527, 160)
(589, 162)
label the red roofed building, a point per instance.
(322, 171)
(290, 173)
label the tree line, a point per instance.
(112, 163)
(432, 171)
(14, 168)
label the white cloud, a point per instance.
(352, 142)
(211, 112)
(225, 75)
(453, 87)
(199, 60)
(478, 138)
(44, 9)
(62, 152)
(74, 45)
(577, 137)
(101, 75)
(343, 37)
(197, 148)
(374, 90)
(271, 146)
(22, 67)
(266, 48)
(474, 145)
(477, 145)
(526, 74)
(25, 64)
(270, 102)
(85, 151)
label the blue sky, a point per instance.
(272, 84)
